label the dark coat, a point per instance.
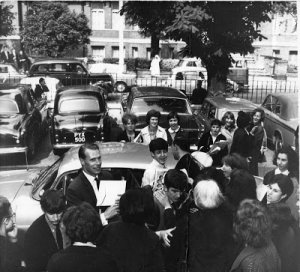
(39, 90)
(264, 259)
(123, 136)
(10, 256)
(81, 190)
(82, 259)
(169, 137)
(136, 248)
(189, 164)
(6, 58)
(241, 143)
(39, 245)
(206, 141)
(210, 240)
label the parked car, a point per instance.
(9, 73)
(70, 72)
(281, 118)
(215, 107)
(77, 117)
(24, 188)
(164, 99)
(23, 121)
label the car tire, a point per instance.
(120, 87)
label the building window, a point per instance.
(135, 53)
(115, 51)
(115, 19)
(98, 52)
(148, 53)
(276, 52)
(98, 19)
(293, 57)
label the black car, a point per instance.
(77, 117)
(23, 120)
(164, 99)
(70, 72)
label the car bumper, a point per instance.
(65, 146)
(11, 150)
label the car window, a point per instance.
(72, 105)
(76, 68)
(212, 112)
(43, 68)
(8, 106)
(58, 67)
(161, 104)
(3, 69)
(205, 109)
(191, 64)
(277, 107)
(269, 103)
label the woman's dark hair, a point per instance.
(53, 201)
(176, 179)
(152, 113)
(4, 208)
(262, 113)
(292, 157)
(252, 224)
(284, 183)
(281, 215)
(129, 116)
(136, 206)
(173, 114)
(230, 115)
(82, 223)
(216, 122)
(235, 161)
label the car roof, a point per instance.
(114, 155)
(156, 91)
(231, 103)
(50, 61)
(12, 90)
(286, 97)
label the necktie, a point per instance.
(59, 239)
(97, 182)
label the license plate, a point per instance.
(79, 137)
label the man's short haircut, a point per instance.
(4, 208)
(176, 179)
(41, 80)
(53, 201)
(182, 141)
(173, 114)
(82, 223)
(129, 116)
(216, 122)
(207, 194)
(152, 113)
(136, 206)
(158, 144)
(284, 183)
(84, 147)
(252, 224)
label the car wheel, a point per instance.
(121, 87)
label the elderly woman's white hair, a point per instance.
(207, 194)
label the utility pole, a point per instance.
(121, 40)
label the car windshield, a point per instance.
(87, 104)
(8, 106)
(161, 104)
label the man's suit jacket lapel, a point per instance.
(88, 189)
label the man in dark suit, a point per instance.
(5, 55)
(44, 237)
(40, 89)
(85, 187)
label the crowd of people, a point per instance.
(19, 59)
(205, 214)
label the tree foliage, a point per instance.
(51, 29)
(212, 30)
(6, 19)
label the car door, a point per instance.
(78, 74)
(60, 71)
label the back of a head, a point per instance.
(176, 179)
(284, 183)
(158, 144)
(252, 224)
(82, 223)
(281, 215)
(182, 141)
(243, 119)
(53, 201)
(4, 208)
(136, 206)
(207, 194)
(235, 161)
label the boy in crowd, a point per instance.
(153, 175)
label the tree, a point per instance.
(6, 19)
(51, 29)
(151, 18)
(212, 30)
